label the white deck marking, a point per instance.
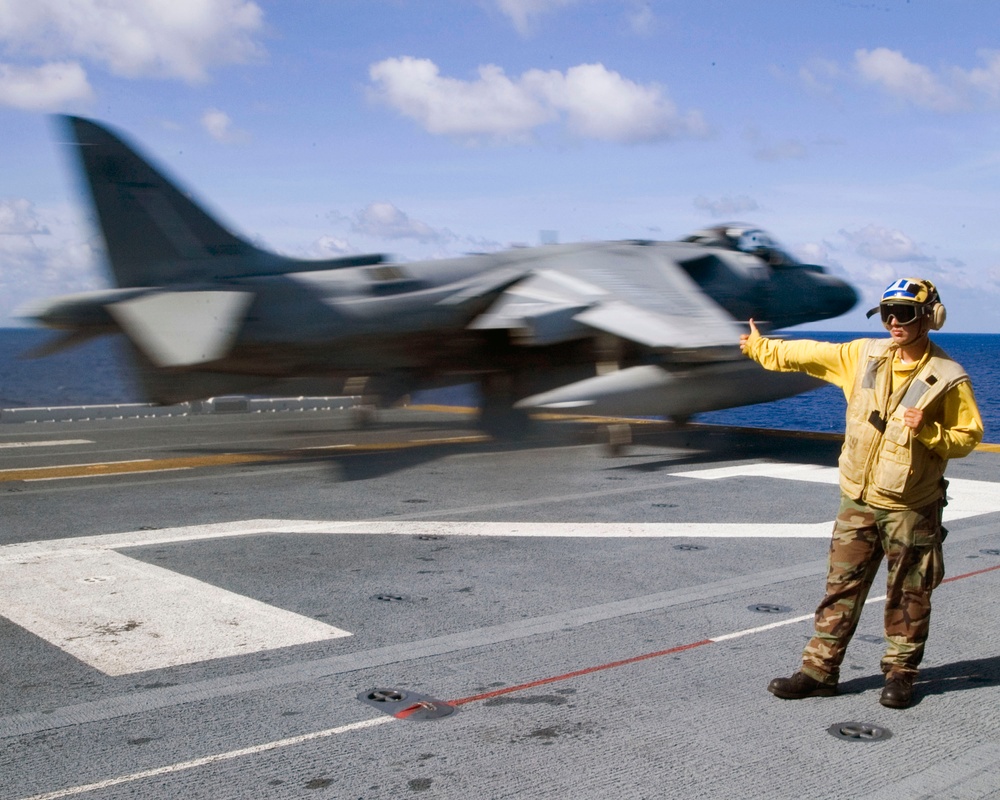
(87, 464)
(585, 530)
(812, 473)
(365, 724)
(213, 759)
(45, 444)
(121, 615)
(98, 475)
(966, 498)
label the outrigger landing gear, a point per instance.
(497, 415)
(364, 411)
(617, 438)
(364, 416)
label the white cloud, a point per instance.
(985, 80)
(992, 278)
(152, 38)
(820, 75)
(874, 256)
(524, 12)
(595, 102)
(905, 80)
(330, 247)
(817, 253)
(727, 207)
(386, 228)
(19, 218)
(45, 88)
(385, 221)
(947, 90)
(764, 150)
(601, 104)
(641, 19)
(220, 127)
(41, 255)
(789, 149)
(884, 244)
(493, 105)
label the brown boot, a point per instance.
(800, 685)
(898, 691)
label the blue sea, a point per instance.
(95, 373)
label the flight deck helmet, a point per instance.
(908, 300)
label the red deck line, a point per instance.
(970, 574)
(633, 660)
(406, 712)
(578, 673)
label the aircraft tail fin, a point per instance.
(155, 234)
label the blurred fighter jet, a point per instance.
(607, 328)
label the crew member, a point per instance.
(910, 408)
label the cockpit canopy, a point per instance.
(745, 239)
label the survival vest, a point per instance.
(881, 462)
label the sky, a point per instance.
(862, 135)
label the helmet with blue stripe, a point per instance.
(908, 290)
(909, 299)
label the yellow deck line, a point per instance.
(216, 460)
(316, 452)
(986, 447)
(128, 467)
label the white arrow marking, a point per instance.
(120, 615)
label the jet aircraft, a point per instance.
(603, 328)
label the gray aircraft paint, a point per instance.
(207, 313)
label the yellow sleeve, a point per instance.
(959, 428)
(828, 361)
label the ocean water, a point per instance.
(824, 409)
(95, 373)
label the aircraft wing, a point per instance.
(540, 309)
(662, 329)
(635, 292)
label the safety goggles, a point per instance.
(903, 313)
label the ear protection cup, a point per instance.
(936, 313)
(937, 316)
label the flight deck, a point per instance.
(281, 605)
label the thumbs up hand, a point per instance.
(745, 337)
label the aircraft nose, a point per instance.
(836, 295)
(843, 296)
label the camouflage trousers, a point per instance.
(911, 542)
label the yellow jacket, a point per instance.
(952, 424)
